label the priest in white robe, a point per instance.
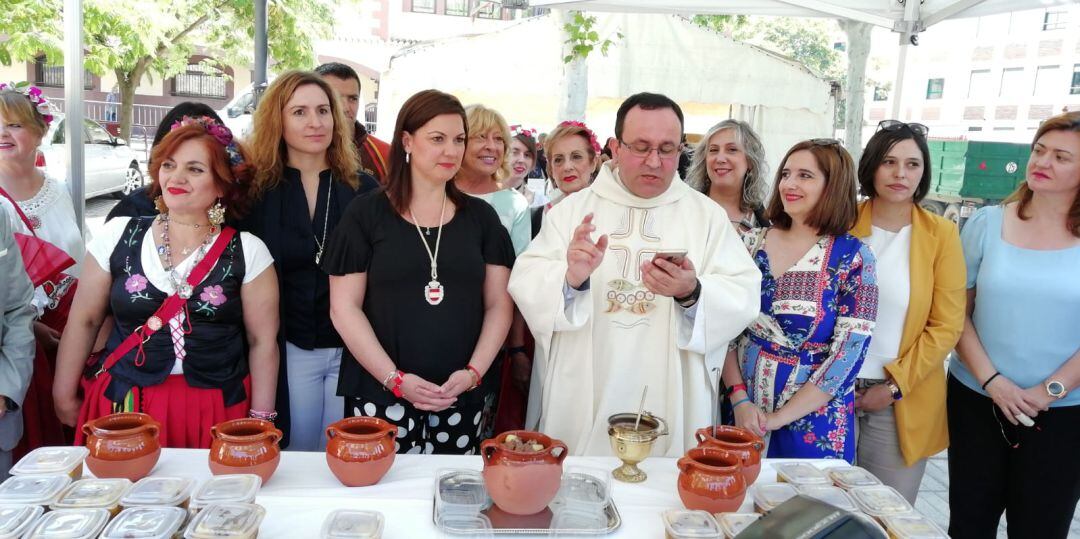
(609, 316)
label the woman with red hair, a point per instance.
(184, 291)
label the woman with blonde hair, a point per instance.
(572, 158)
(486, 169)
(729, 167)
(306, 173)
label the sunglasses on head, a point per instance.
(826, 142)
(896, 125)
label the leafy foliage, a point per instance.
(583, 39)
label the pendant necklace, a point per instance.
(433, 292)
(180, 282)
(326, 223)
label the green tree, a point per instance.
(804, 40)
(723, 24)
(143, 38)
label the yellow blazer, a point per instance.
(935, 318)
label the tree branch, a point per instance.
(162, 47)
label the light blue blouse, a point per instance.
(1027, 305)
(513, 210)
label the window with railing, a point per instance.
(457, 7)
(935, 88)
(423, 6)
(200, 80)
(53, 75)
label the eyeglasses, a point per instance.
(826, 142)
(1001, 427)
(643, 150)
(896, 125)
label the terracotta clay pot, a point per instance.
(739, 441)
(520, 482)
(122, 445)
(712, 480)
(360, 450)
(245, 446)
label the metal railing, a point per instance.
(144, 119)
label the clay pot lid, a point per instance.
(33, 489)
(159, 491)
(225, 520)
(16, 519)
(70, 524)
(50, 460)
(146, 522)
(353, 524)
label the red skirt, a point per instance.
(40, 424)
(186, 413)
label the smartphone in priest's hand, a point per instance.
(675, 256)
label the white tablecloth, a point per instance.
(303, 492)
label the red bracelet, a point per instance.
(476, 376)
(737, 387)
(399, 378)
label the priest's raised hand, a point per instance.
(583, 256)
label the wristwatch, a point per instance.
(690, 300)
(1055, 389)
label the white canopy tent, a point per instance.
(710, 76)
(907, 18)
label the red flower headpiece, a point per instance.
(592, 136)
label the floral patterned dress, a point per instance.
(814, 327)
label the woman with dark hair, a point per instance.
(418, 279)
(729, 167)
(522, 160)
(194, 302)
(794, 379)
(138, 203)
(1013, 398)
(900, 389)
(306, 173)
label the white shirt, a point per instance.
(256, 259)
(893, 251)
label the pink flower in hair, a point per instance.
(592, 136)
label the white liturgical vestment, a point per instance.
(596, 350)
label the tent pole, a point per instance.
(260, 50)
(73, 107)
(898, 91)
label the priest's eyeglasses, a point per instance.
(896, 125)
(643, 150)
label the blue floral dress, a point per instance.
(814, 327)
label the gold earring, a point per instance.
(216, 214)
(159, 203)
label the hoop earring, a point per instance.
(216, 214)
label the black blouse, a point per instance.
(430, 341)
(281, 220)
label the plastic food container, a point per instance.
(849, 477)
(226, 520)
(460, 492)
(33, 489)
(913, 526)
(768, 496)
(16, 519)
(681, 524)
(585, 488)
(733, 524)
(349, 524)
(69, 524)
(146, 523)
(93, 494)
(52, 461)
(234, 488)
(160, 491)
(460, 524)
(880, 501)
(831, 495)
(801, 474)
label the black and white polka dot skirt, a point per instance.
(458, 430)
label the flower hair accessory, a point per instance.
(516, 130)
(33, 93)
(220, 133)
(592, 136)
